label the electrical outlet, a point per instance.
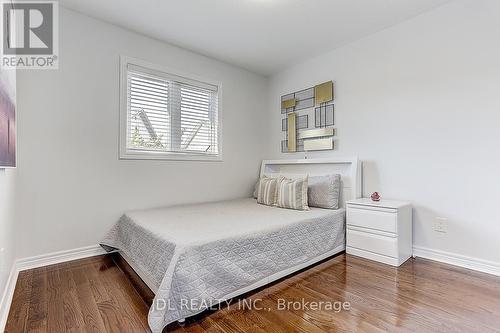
(441, 224)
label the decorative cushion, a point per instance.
(266, 191)
(256, 187)
(292, 193)
(324, 191)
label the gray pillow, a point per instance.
(324, 191)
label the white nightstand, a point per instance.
(380, 231)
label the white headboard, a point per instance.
(349, 169)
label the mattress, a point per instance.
(195, 256)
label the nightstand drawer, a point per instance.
(387, 246)
(380, 219)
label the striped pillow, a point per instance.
(266, 191)
(292, 193)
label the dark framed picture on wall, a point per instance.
(7, 118)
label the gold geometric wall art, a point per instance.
(299, 148)
(318, 144)
(297, 107)
(292, 132)
(323, 93)
(323, 115)
(304, 99)
(316, 133)
(289, 103)
(301, 122)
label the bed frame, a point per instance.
(350, 171)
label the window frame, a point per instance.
(128, 154)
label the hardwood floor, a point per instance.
(94, 295)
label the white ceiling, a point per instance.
(264, 36)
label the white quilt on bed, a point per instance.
(202, 253)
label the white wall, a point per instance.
(420, 104)
(72, 186)
(417, 102)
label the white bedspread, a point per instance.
(202, 253)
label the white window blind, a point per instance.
(170, 115)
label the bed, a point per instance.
(196, 256)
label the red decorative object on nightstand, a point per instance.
(375, 196)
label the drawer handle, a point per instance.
(372, 231)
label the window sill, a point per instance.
(169, 156)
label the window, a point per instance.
(167, 116)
